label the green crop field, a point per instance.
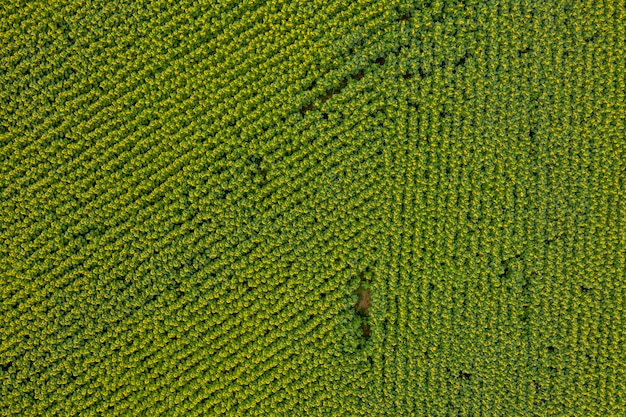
(313, 208)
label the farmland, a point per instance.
(313, 208)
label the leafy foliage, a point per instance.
(312, 208)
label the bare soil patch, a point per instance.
(365, 302)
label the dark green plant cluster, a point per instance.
(313, 208)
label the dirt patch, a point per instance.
(365, 302)
(334, 91)
(362, 306)
(306, 108)
(367, 332)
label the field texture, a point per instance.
(313, 208)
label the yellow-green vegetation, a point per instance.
(312, 208)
